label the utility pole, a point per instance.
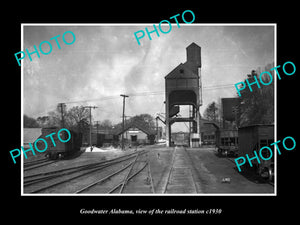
(97, 123)
(61, 106)
(125, 122)
(124, 96)
(157, 132)
(90, 107)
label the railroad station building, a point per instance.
(135, 134)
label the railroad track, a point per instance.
(50, 181)
(181, 175)
(119, 181)
(30, 163)
(37, 163)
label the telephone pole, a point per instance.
(97, 123)
(125, 122)
(61, 106)
(124, 96)
(90, 107)
(157, 132)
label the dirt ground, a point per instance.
(219, 174)
(215, 174)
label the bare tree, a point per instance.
(257, 107)
(211, 112)
(77, 118)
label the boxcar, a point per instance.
(227, 142)
(253, 138)
(61, 149)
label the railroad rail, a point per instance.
(181, 175)
(37, 163)
(33, 162)
(44, 182)
(116, 182)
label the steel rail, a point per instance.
(75, 177)
(76, 167)
(129, 178)
(103, 179)
(64, 181)
(75, 170)
(194, 171)
(125, 180)
(171, 169)
(151, 180)
(38, 165)
(34, 162)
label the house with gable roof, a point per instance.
(135, 133)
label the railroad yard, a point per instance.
(147, 164)
(152, 169)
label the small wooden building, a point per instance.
(135, 133)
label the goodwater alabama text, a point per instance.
(151, 211)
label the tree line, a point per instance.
(77, 119)
(256, 107)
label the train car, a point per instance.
(61, 149)
(253, 138)
(227, 142)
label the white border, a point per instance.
(149, 24)
(22, 113)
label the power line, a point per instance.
(95, 99)
(147, 94)
(207, 88)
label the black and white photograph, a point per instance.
(148, 117)
(150, 111)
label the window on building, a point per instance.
(133, 138)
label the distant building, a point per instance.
(180, 138)
(135, 133)
(208, 132)
(99, 137)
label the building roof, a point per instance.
(138, 126)
(193, 44)
(31, 134)
(182, 71)
(206, 122)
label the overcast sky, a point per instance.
(106, 61)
